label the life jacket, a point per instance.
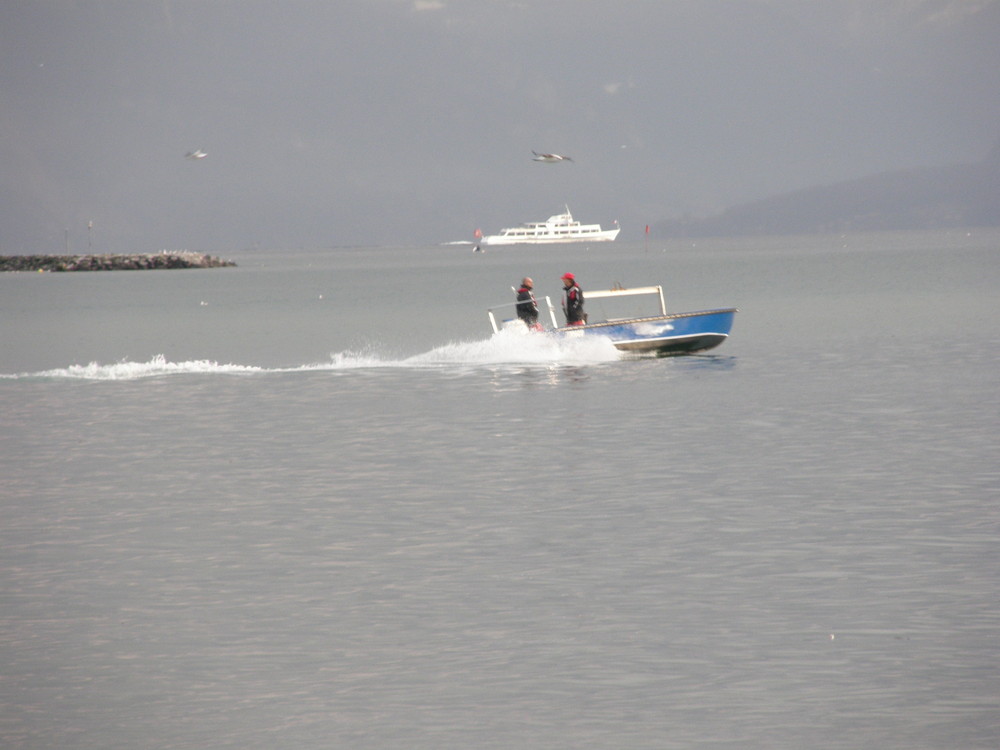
(527, 305)
(573, 304)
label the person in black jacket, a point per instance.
(573, 301)
(527, 305)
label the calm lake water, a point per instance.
(311, 502)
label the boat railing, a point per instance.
(496, 327)
(623, 292)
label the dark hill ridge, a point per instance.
(961, 195)
(135, 262)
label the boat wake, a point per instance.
(512, 346)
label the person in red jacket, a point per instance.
(573, 301)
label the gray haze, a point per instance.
(394, 121)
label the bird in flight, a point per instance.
(551, 158)
(199, 154)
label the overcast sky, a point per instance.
(373, 122)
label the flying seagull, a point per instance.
(551, 158)
(199, 154)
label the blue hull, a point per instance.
(677, 333)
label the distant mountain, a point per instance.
(961, 195)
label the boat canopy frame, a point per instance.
(620, 291)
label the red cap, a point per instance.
(568, 276)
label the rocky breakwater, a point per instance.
(135, 262)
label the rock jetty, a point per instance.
(135, 262)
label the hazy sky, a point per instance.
(357, 122)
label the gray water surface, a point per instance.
(290, 518)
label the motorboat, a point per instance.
(555, 229)
(660, 334)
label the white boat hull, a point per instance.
(606, 235)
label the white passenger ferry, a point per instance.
(557, 228)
